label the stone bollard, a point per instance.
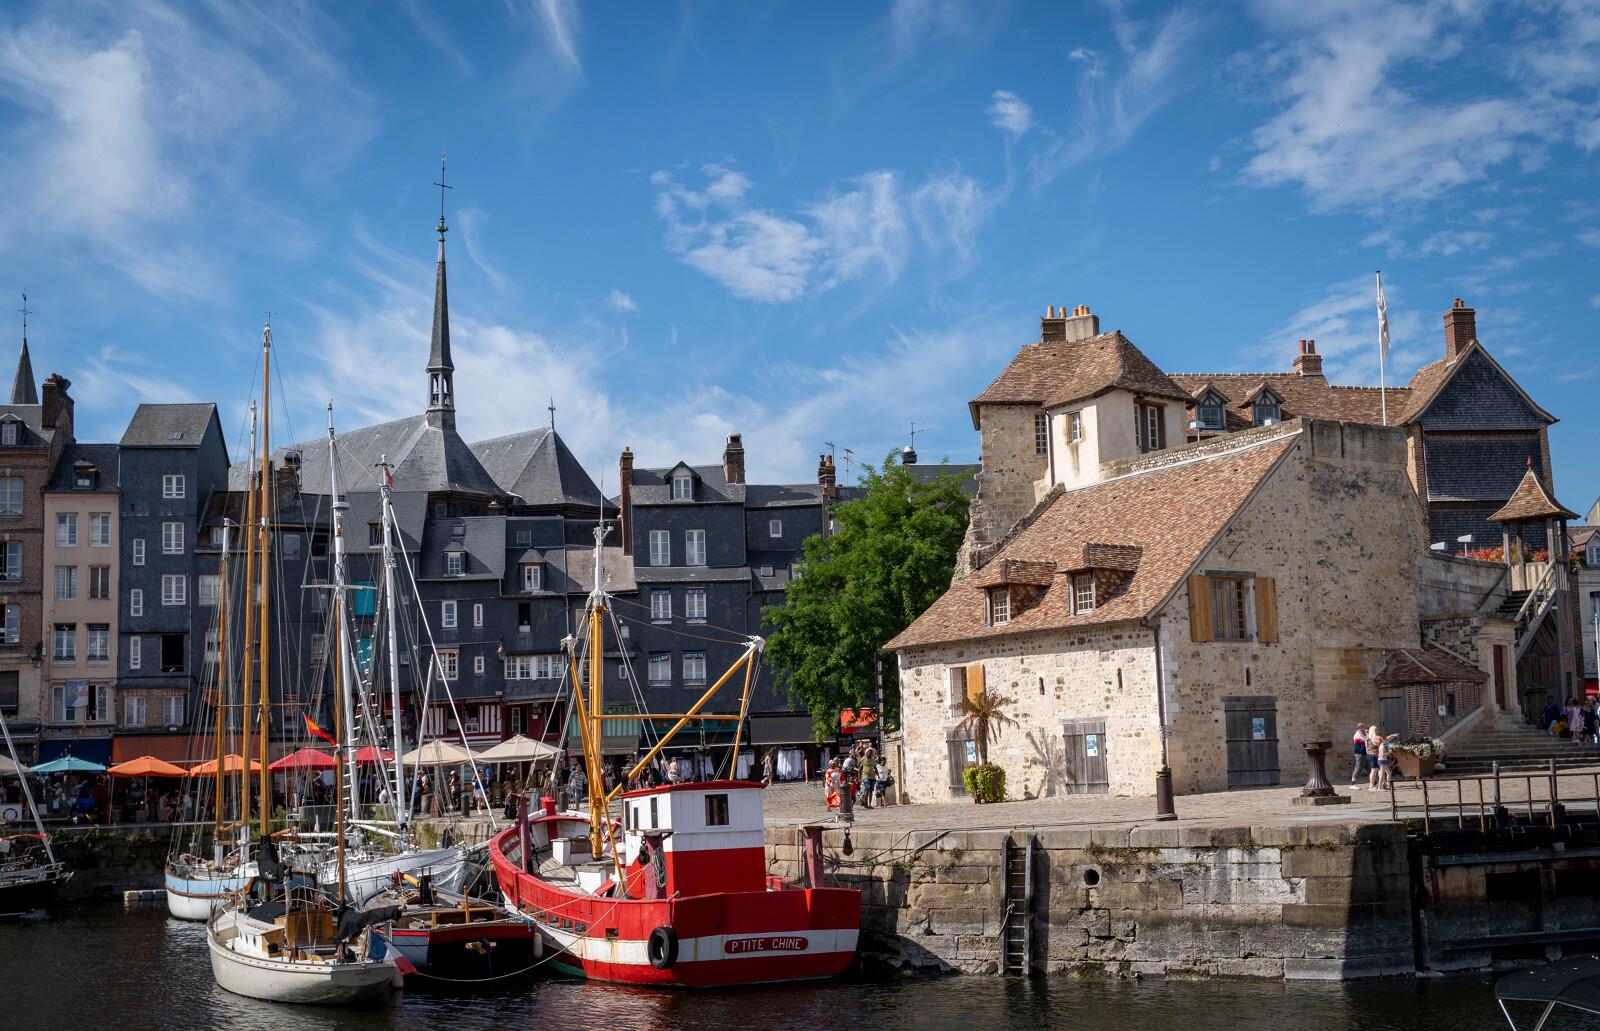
(1317, 790)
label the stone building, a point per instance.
(1238, 596)
(81, 511)
(1585, 550)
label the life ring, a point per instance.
(663, 948)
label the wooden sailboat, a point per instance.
(30, 874)
(678, 893)
(300, 943)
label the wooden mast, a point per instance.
(264, 606)
(222, 675)
(247, 680)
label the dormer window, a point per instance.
(1266, 410)
(1208, 412)
(682, 487)
(454, 564)
(83, 477)
(8, 433)
(532, 577)
(999, 606)
(1082, 593)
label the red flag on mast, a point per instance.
(311, 725)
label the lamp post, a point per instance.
(1165, 809)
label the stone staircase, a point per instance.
(1517, 746)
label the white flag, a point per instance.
(1383, 321)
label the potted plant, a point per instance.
(1417, 756)
(985, 716)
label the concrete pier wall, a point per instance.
(1298, 902)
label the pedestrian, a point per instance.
(1574, 717)
(869, 777)
(1591, 723)
(766, 769)
(1385, 757)
(1552, 714)
(1372, 757)
(1358, 745)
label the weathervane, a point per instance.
(442, 187)
(914, 432)
(552, 413)
(26, 311)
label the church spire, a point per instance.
(441, 371)
(23, 389)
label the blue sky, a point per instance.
(806, 222)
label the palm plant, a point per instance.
(985, 716)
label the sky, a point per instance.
(815, 224)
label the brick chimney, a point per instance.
(827, 477)
(1058, 326)
(1308, 362)
(625, 498)
(1460, 329)
(733, 459)
(56, 404)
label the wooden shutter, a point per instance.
(1199, 608)
(974, 681)
(1266, 610)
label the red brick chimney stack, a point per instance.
(1058, 326)
(625, 497)
(733, 459)
(1308, 362)
(1460, 329)
(56, 404)
(827, 477)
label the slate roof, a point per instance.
(169, 425)
(927, 472)
(618, 564)
(1429, 382)
(654, 486)
(482, 537)
(426, 458)
(24, 390)
(691, 574)
(1309, 397)
(782, 495)
(366, 508)
(1059, 373)
(1173, 513)
(1429, 664)
(1531, 501)
(102, 456)
(537, 467)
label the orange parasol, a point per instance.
(230, 764)
(147, 766)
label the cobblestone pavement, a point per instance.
(791, 804)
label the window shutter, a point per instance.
(1266, 610)
(974, 681)
(1199, 608)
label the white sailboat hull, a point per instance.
(308, 982)
(364, 878)
(191, 895)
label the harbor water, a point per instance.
(106, 967)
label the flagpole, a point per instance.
(1383, 349)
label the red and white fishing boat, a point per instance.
(677, 891)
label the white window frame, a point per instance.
(66, 529)
(172, 710)
(694, 604)
(208, 589)
(97, 632)
(11, 571)
(660, 548)
(100, 591)
(519, 667)
(138, 551)
(660, 605)
(174, 590)
(455, 563)
(999, 606)
(173, 486)
(1041, 433)
(447, 614)
(135, 652)
(11, 629)
(64, 642)
(775, 528)
(8, 433)
(135, 711)
(449, 663)
(694, 667)
(1074, 427)
(682, 487)
(477, 616)
(100, 703)
(99, 529)
(66, 583)
(660, 669)
(136, 601)
(11, 489)
(691, 538)
(171, 538)
(532, 577)
(477, 665)
(1083, 599)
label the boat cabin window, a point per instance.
(654, 820)
(716, 810)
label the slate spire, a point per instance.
(24, 391)
(441, 371)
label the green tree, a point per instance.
(890, 555)
(985, 716)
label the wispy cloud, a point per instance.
(1009, 112)
(913, 22)
(471, 222)
(433, 31)
(1343, 321)
(620, 301)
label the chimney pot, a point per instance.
(1458, 303)
(1308, 362)
(1460, 329)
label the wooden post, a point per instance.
(1427, 814)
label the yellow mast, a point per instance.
(263, 604)
(222, 671)
(247, 681)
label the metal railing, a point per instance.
(1536, 604)
(1479, 800)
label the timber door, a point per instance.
(1500, 677)
(1085, 757)
(1251, 723)
(1392, 714)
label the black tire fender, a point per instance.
(663, 948)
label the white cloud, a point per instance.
(1362, 123)
(621, 301)
(1344, 323)
(470, 221)
(951, 210)
(913, 21)
(1448, 242)
(1590, 237)
(1009, 112)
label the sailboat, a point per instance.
(30, 874)
(371, 871)
(299, 942)
(678, 893)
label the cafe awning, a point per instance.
(94, 749)
(147, 766)
(174, 748)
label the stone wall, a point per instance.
(1451, 586)
(1010, 467)
(1308, 901)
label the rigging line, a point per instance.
(738, 638)
(647, 724)
(681, 633)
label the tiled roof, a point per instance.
(169, 425)
(1060, 373)
(536, 466)
(1172, 513)
(1531, 501)
(1310, 397)
(1014, 571)
(1429, 664)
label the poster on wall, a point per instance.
(1258, 728)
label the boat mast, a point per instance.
(222, 676)
(264, 605)
(599, 812)
(402, 801)
(27, 792)
(247, 680)
(342, 682)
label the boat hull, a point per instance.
(30, 892)
(785, 933)
(192, 896)
(365, 878)
(322, 984)
(467, 952)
